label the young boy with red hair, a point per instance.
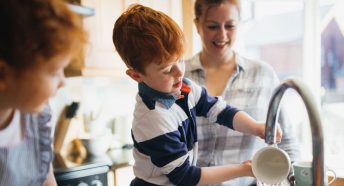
(164, 130)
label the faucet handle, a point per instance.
(273, 145)
(291, 179)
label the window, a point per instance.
(332, 82)
(305, 40)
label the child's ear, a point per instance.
(135, 75)
(3, 69)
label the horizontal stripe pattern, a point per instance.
(165, 138)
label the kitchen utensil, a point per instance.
(66, 130)
(97, 145)
(303, 174)
(63, 124)
(271, 165)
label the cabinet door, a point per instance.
(123, 175)
(100, 55)
(172, 8)
(180, 11)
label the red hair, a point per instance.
(38, 30)
(142, 35)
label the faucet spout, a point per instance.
(315, 124)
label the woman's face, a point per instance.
(217, 28)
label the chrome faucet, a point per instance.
(315, 123)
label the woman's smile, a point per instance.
(220, 44)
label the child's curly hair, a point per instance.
(38, 30)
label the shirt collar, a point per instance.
(195, 63)
(166, 99)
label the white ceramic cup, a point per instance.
(303, 174)
(97, 144)
(271, 165)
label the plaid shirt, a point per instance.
(249, 89)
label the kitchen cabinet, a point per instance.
(81, 10)
(100, 57)
(123, 174)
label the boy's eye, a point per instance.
(166, 71)
(169, 69)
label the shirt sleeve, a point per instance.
(213, 108)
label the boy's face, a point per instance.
(165, 77)
(30, 89)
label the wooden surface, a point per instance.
(188, 16)
(338, 182)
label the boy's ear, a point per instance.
(135, 75)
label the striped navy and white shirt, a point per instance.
(248, 89)
(27, 163)
(165, 135)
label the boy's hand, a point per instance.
(279, 133)
(261, 132)
(247, 165)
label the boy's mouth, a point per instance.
(178, 84)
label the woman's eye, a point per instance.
(212, 27)
(230, 26)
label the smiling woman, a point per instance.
(243, 82)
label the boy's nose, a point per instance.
(179, 72)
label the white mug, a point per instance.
(303, 174)
(271, 165)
